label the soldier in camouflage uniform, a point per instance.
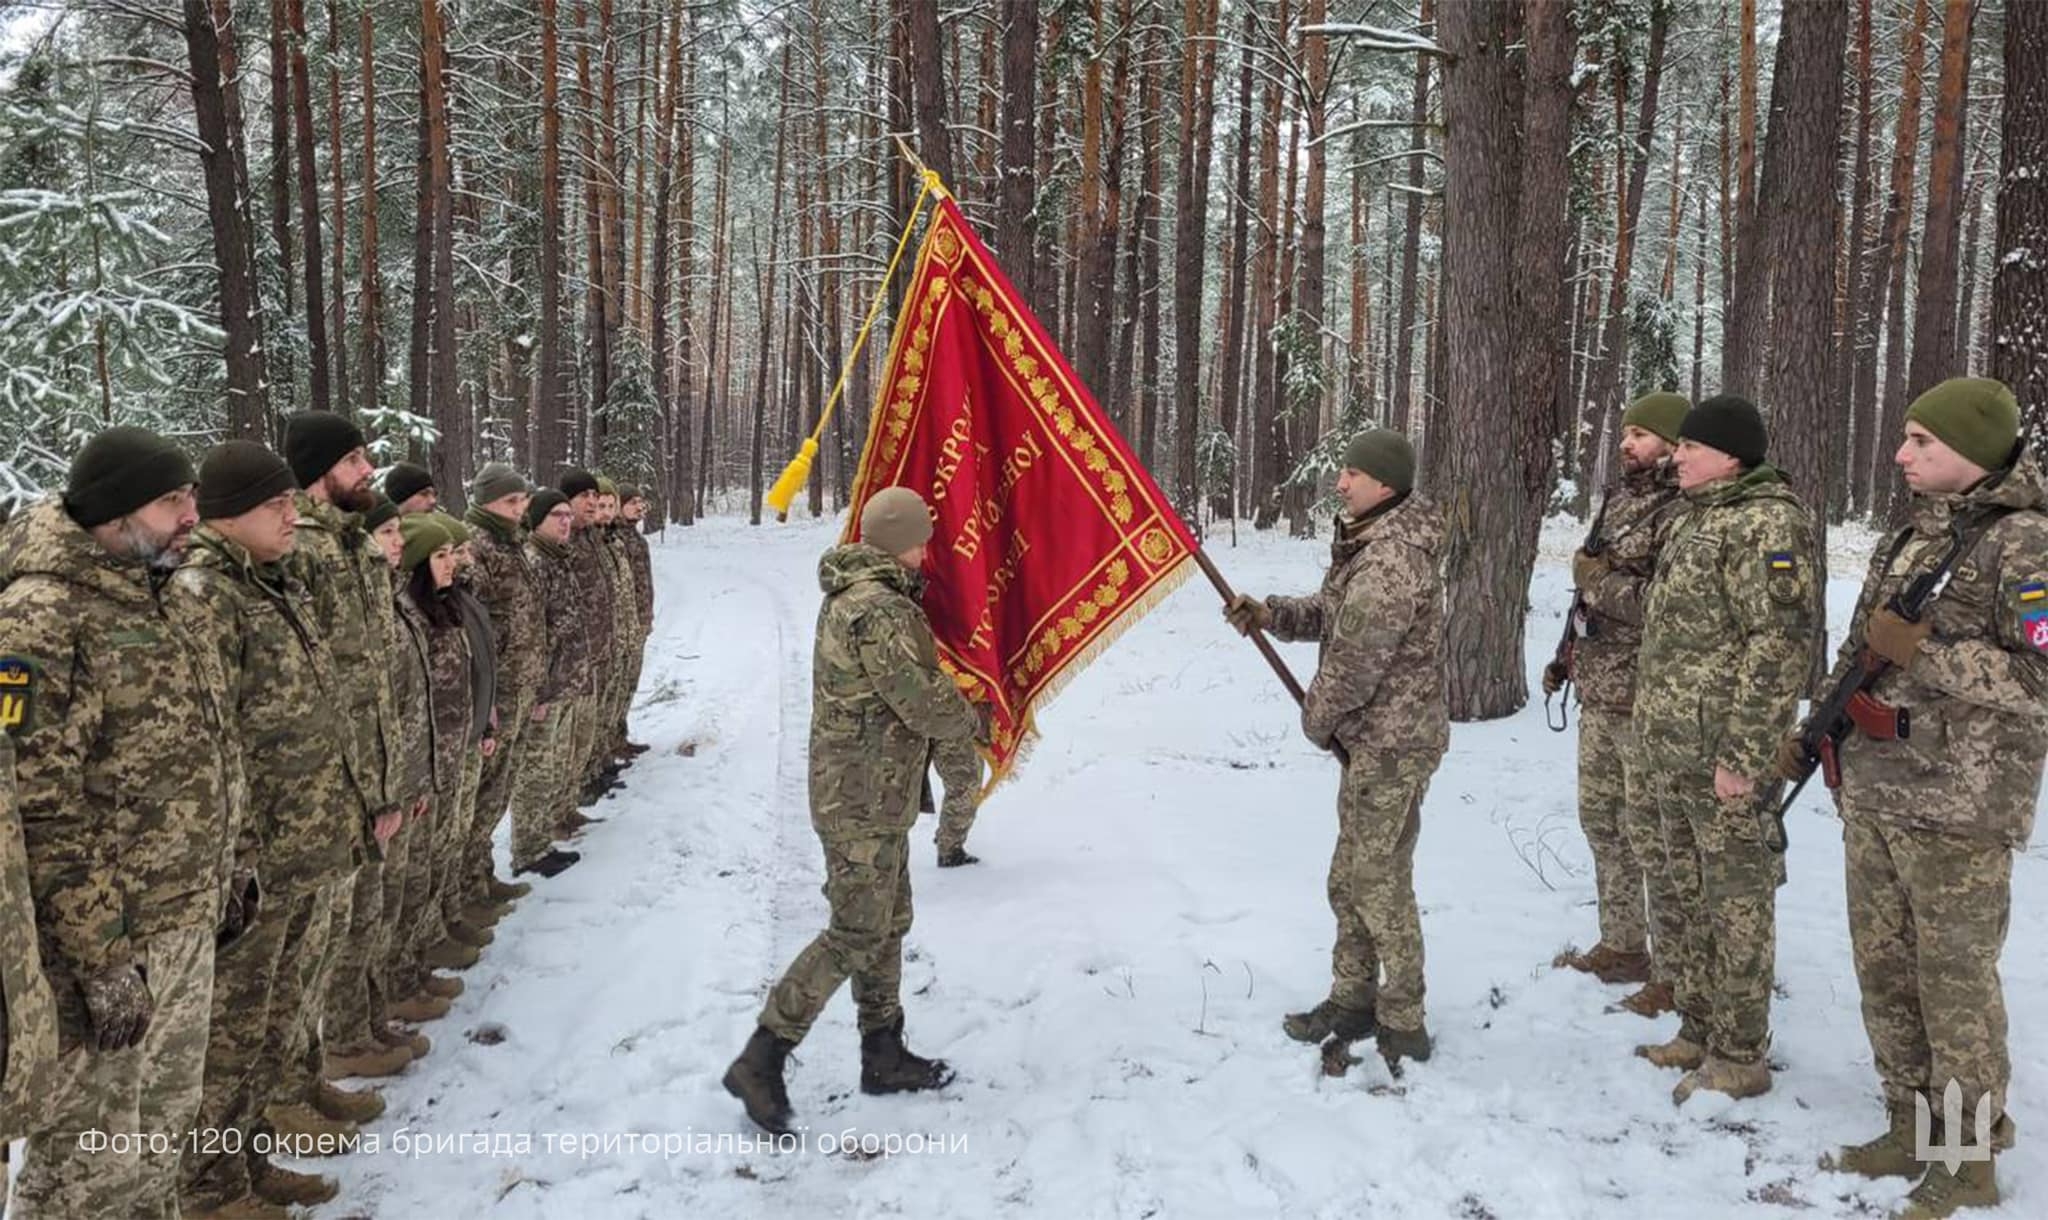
(281, 684)
(594, 604)
(1612, 584)
(28, 1012)
(502, 579)
(878, 702)
(1728, 640)
(1930, 819)
(542, 783)
(611, 754)
(455, 828)
(344, 573)
(1378, 697)
(130, 801)
(632, 513)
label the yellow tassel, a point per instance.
(792, 480)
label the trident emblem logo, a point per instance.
(1956, 1149)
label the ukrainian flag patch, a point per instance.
(1782, 561)
(2033, 591)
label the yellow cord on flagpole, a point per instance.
(798, 472)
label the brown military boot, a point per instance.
(1680, 1052)
(415, 1043)
(443, 986)
(756, 1079)
(1888, 1156)
(888, 1066)
(1608, 964)
(309, 1132)
(463, 932)
(1943, 1193)
(370, 1059)
(420, 1008)
(485, 915)
(1329, 1018)
(1730, 1076)
(450, 955)
(248, 1207)
(1396, 1045)
(347, 1106)
(505, 891)
(1650, 1000)
(283, 1187)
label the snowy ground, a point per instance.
(1109, 982)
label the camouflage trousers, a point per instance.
(452, 839)
(357, 935)
(1372, 886)
(583, 737)
(494, 793)
(298, 1040)
(539, 771)
(408, 868)
(1604, 817)
(629, 684)
(259, 987)
(1723, 889)
(1928, 915)
(601, 706)
(152, 1088)
(959, 767)
(867, 882)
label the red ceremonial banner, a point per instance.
(1049, 537)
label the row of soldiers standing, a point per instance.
(261, 723)
(1698, 605)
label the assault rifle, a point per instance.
(1850, 705)
(1578, 625)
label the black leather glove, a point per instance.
(244, 896)
(118, 1003)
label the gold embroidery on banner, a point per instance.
(1060, 635)
(910, 377)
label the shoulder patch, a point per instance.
(17, 696)
(2031, 592)
(1781, 561)
(2034, 625)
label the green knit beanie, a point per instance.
(1661, 413)
(1384, 454)
(1975, 416)
(457, 531)
(424, 534)
(605, 486)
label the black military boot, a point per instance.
(1328, 1018)
(954, 857)
(888, 1066)
(756, 1079)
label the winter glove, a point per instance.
(1588, 568)
(1791, 760)
(244, 895)
(1246, 613)
(1895, 639)
(984, 724)
(1555, 675)
(118, 1004)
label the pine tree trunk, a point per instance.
(1859, 343)
(1225, 501)
(935, 144)
(1888, 413)
(2019, 288)
(1934, 305)
(684, 474)
(1269, 442)
(309, 207)
(1313, 267)
(337, 319)
(769, 272)
(1015, 228)
(1190, 247)
(1411, 241)
(1540, 409)
(207, 50)
(451, 455)
(281, 149)
(374, 356)
(551, 448)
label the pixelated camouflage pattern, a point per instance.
(1978, 689)
(1379, 616)
(960, 772)
(28, 1030)
(878, 696)
(347, 576)
(130, 796)
(503, 580)
(305, 822)
(556, 571)
(1633, 525)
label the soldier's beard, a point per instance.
(355, 499)
(151, 549)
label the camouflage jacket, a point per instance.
(1978, 690)
(878, 696)
(450, 695)
(305, 823)
(1633, 523)
(556, 574)
(342, 571)
(421, 766)
(28, 1012)
(1379, 684)
(642, 562)
(1728, 633)
(503, 579)
(625, 592)
(593, 596)
(131, 797)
